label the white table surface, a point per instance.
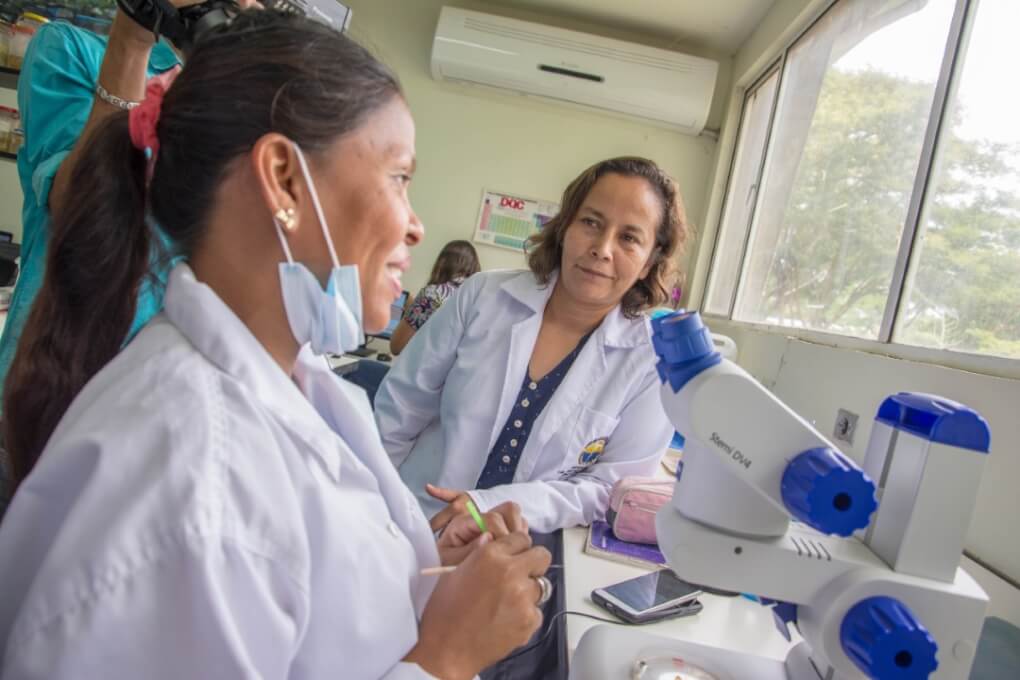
(730, 622)
(336, 362)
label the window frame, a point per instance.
(777, 65)
(964, 17)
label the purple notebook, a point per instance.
(603, 543)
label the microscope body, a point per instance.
(863, 562)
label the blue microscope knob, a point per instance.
(882, 637)
(684, 346)
(826, 490)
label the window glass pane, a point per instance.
(754, 125)
(965, 291)
(843, 156)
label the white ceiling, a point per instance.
(720, 25)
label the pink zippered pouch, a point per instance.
(633, 503)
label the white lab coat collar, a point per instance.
(215, 331)
(616, 329)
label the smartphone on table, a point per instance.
(651, 597)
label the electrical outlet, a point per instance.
(846, 425)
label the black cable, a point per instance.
(549, 630)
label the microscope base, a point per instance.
(613, 652)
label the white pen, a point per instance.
(436, 571)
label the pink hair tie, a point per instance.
(143, 118)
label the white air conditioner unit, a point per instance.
(597, 73)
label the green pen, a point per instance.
(476, 516)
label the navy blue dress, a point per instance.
(532, 398)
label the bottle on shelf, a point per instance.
(7, 117)
(6, 33)
(23, 32)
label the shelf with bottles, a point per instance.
(21, 19)
(11, 133)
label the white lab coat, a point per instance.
(198, 514)
(441, 407)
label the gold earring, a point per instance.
(288, 217)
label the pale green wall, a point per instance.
(472, 138)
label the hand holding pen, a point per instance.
(461, 537)
(463, 530)
(458, 504)
(484, 608)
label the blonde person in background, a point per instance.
(211, 501)
(456, 262)
(539, 386)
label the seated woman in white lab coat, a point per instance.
(539, 386)
(212, 502)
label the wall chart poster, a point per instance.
(506, 221)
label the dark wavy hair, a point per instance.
(457, 260)
(545, 249)
(265, 72)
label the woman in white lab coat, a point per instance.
(212, 502)
(539, 386)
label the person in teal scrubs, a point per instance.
(59, 105)
(56, 91)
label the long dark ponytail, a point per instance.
(87, 301)
(266, 72)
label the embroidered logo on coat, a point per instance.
(592, 452)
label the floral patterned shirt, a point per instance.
(428, 300)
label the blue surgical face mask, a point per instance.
(329, 320)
